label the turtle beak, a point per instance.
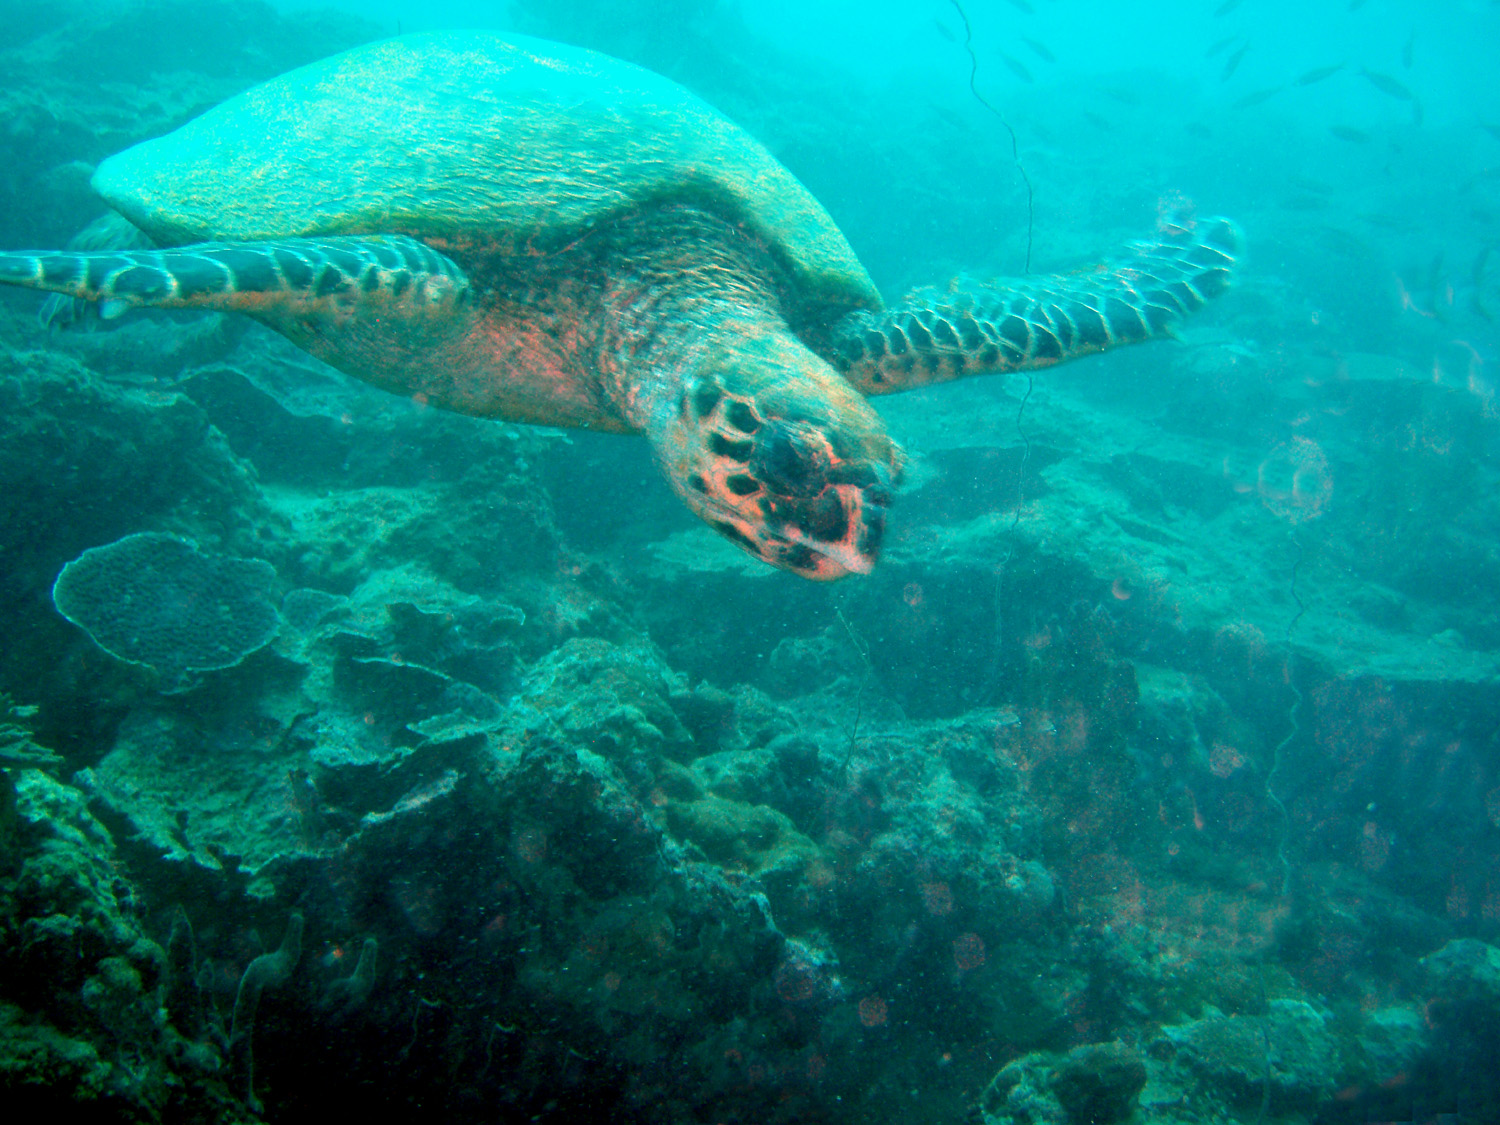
(847, 545)
(859, 548)
(824, 513)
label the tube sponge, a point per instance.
(266, 971)
(348, 994)
(157, 600)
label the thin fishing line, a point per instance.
(1015, 145)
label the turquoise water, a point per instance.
(1151, 775)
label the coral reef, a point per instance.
(81, 1023)
(1150, 778)
(1096, 1084)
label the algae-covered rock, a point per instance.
(1098, 1084)
(1466, 969)
(195, 790)
(1465, 980)
(80, 1013)
(87, 462)
(1020, 1095)
(740, 836)
(36, 1058)
(1292, 1048)
(1391, 1040)
(1464, 976)
(614, 699)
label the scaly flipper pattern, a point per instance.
(274, 280)
(1017, 323)
(386, 309)
(110, 231)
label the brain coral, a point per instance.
(157, 600)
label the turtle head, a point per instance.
(788, 462)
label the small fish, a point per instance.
(1317, 74)
(1219, 47)
(1408, 52)
(1478, 275)
(1225, 8)
(1122, 94)
(1483, 176)
(1233, 64)
(1341, 241)
(1387, 85)
(1023, 6)
(1016, 68)
(1492, 130)
(1097, 121)
(1259, 96)
(946, 115)
(944, 30)
(1350, 133)
(1439, 288)
(1356, 5)
(1040, 50)
(1307, 183)
(1417, 115)
(1199, 130)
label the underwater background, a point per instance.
(459, 772)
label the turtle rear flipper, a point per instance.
(1013, 324)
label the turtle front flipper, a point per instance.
(294, 277)
(386, 309)
(110, 231)
(1012, 324)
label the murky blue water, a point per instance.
(1154, 769)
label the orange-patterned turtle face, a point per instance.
(798, 472)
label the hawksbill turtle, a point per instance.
(536, 232)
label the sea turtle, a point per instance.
(508, 227)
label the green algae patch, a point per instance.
(734, 835)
